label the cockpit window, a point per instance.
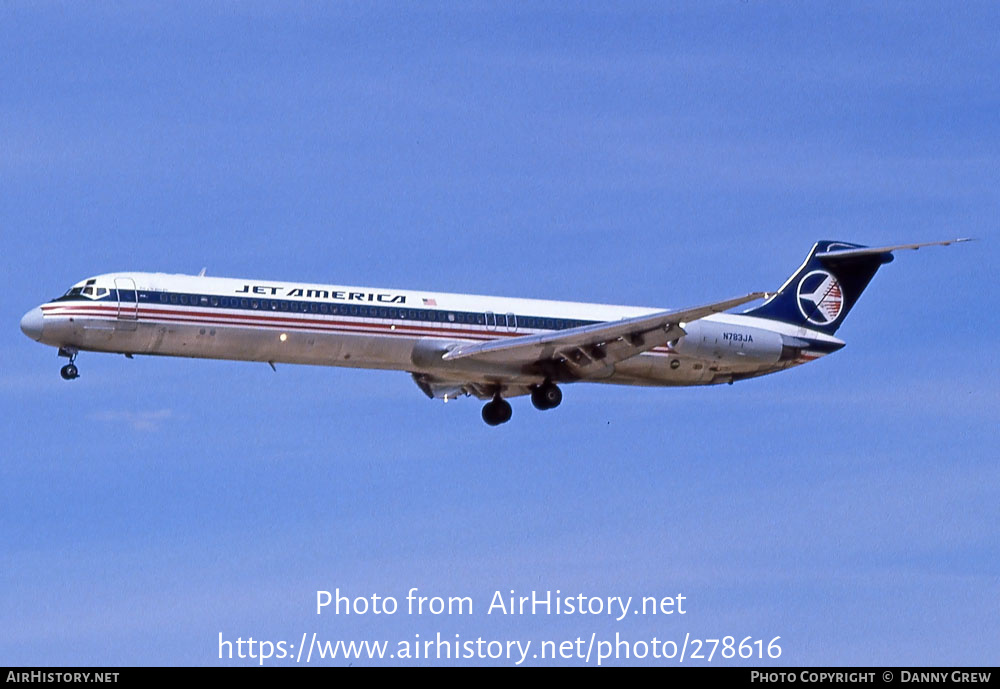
(88, 291)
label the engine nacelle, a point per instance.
(732, 344)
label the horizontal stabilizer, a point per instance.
(874, 250)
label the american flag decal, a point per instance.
(430, 302)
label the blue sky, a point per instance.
(649, 155)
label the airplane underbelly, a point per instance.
(657, 369)
(235, 343)
(296, 347)
(672, 370)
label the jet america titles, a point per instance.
(382, 298)
(458, 345)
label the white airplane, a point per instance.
(454, 345)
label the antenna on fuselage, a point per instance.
(202, 273)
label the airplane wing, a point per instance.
(592, 350)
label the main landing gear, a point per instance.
(545, 396)
(69, 371)
(497, 412)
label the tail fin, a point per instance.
(824, 289)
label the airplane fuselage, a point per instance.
(460, 344)
(281, 322)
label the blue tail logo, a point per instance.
(820, 297)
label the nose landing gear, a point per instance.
(69, 371)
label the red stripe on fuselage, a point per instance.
(266, 319)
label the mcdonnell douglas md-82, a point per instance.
(459, 344)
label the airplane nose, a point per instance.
(31, 324)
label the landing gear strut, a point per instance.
(497, 412)
(546, 396)
(69, 371)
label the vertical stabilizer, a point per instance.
(825, 288)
